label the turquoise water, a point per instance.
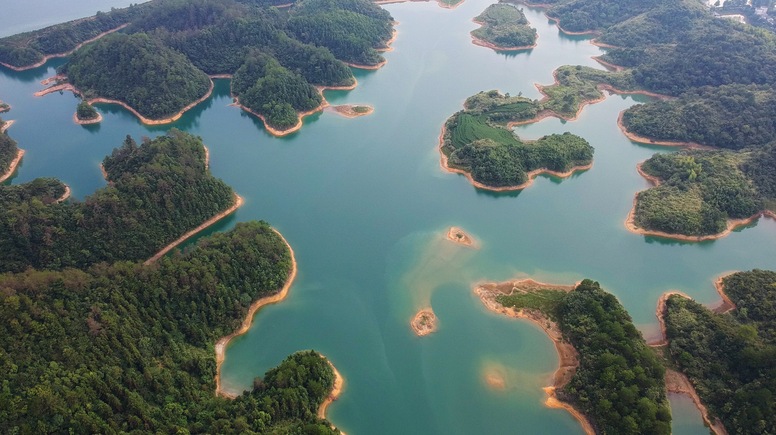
(366, 206)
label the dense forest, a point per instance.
(129, 348)
(731, 116)
(699, 192)
(505, 26)
(8, 150)
(153, 79)
(730, 358)
(158, 191)
(158, 63)
(619, 383)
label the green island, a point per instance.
(611, 380)
(729, 358)
(704, 194)
(158, 190)
(124, 347)
(504, 27)
(478, 142)
(157, 63)
(4, 107)
(86, 113)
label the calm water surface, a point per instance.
(366, 206)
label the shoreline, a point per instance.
(13, 166)
(678, 382)
(367, 67)
(424, 322)
(238, 202)
(649, 141)
(64, 195)
(296, 127)
(606, 64)
(64, 54)
(336, 391)
(531, 174)
(223, 342)
(143, 119)
(567, 355)
(732, 224)
(347, 110)
(6, 125)
(96, 120)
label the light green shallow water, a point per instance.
(366, 206)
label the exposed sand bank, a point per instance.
(67, 53)
(12, 167)
(459, 236)
(732, 224)
(6, 125)
(336, 390)
(349, 110)
(424, 322)
(238, 201)
(64, 195)
(221, 345)
(207, 156)
(494, 379)
(677, 382)
(443, 163)
(143, 119)
(568, 356)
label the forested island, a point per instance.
(85, 113)
(174, 45)
(504, 27)
(158, 190)
(704, 194)
(607, 372)
(479, 143)
(730, 358)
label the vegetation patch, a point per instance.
(729, 358)
(8, 150)
(86, 112)
(504, 26)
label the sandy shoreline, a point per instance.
(143, 119)
(732, 224)
(336, 390)
(348, 110)
(424, 322)
(531, 175)
(12, 167)
(238, 202)
(484, 43)
(6, 125)
(221, 345)
(96, 120)
(677, 382)
(296, 127)
(567, 354)
(461, 237)
(67, 53)
(64, 195)
(366, 67)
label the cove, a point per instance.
(366, 207)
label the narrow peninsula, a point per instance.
(608, 378)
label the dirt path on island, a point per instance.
(223, 343)
(567, 354)
(238, 201)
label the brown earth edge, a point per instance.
(221, 345)
(67, 53)
(732, 224)
(461, 237)
(80, 121)
(677, 382)
(646, 140)
(607, 64)
(347, 110)
(567, 354)
(6, 126)
(484, 43)
(143, 119)
(12, 167)
(439, 3)
(424, 322)
(336, 391)
(64, 195)
(531, 175)
(238, 202)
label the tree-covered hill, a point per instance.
(730, 358)
(619, 383)
(138, 70)
(158, 191)
(504, 26)
(129, 348)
